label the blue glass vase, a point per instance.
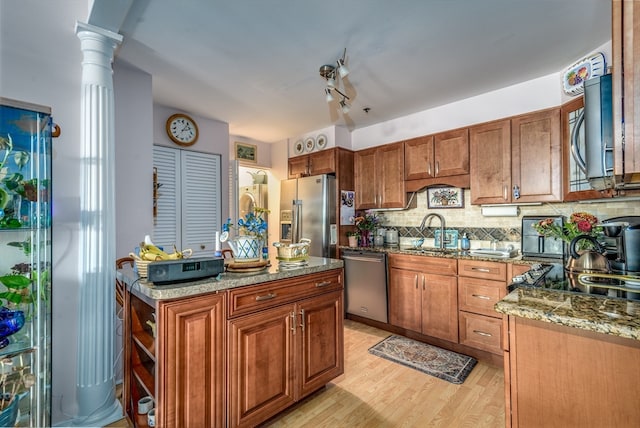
(10, 322)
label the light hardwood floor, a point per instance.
(374, 392)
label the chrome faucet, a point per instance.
(429, 217)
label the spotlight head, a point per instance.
(344, 106)
(343, 71)
(328, 96)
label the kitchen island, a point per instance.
(571, 360)
(234, 350)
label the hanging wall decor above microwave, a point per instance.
(588, 67)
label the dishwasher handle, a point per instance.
(364, 259)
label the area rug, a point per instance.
(438, 362)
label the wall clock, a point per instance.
(182, 129)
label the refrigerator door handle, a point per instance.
(295, 221)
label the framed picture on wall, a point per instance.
(445, 197)
(246, 152)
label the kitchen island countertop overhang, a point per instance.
(225, 281)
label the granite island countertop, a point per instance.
(225, 281)
(614, 316)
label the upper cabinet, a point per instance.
(536, 157)
(517, 160)
(490, 147)
(437, 159)
(626, 89)
(316, 163)
(379, 177)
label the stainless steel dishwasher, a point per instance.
(366, 284)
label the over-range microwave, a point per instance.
(595, 159)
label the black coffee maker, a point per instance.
(623, 244)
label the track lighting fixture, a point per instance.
(332, 75)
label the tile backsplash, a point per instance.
(470, 220)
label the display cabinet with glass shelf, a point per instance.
(25, 264)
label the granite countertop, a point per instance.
(227, 280)
(450, 254)
(613, 316)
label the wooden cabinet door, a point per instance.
(440, 306)
(626, 81)
(418, 158)
(451, 150)
(323, 162)
(366, 179)
(390, 170)
(536, 157)
(299, 166)
(321, 341)
(490, 155)
(191, 362)
(261, 365)
(405, 296)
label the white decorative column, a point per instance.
(97, 404)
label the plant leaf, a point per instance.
(16, 282)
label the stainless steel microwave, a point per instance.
(595, 158)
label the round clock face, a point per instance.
(182, 129)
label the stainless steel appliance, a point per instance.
(308, 210)
(595, 159)
(623, 244)
(534, 245)
(255, 196)
(366, 284)
(553, 276)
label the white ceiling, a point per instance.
(254, 63)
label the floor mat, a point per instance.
(438, 362)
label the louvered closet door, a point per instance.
(201, 198)
(189, 202)
(165, 226)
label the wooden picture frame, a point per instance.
(445, 197)
(246, 152)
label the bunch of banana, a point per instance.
(150, 252)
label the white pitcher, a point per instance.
(246, 248)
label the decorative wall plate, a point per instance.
(574, 77)
(309, 144)
(321, 141)
(298, 147)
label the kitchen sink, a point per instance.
(502, 253)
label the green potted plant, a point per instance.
(353, 236)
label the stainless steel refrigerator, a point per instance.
(308, 210)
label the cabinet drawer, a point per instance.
(253, 298)
(495, 271)
(481, 332)
(480, 295)
(434, 265)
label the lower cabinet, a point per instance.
(423, 295)
(567, 377)
(181, 365)
(481, 284)
(234, 357)
(284, 352)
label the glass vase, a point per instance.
(365, 238)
